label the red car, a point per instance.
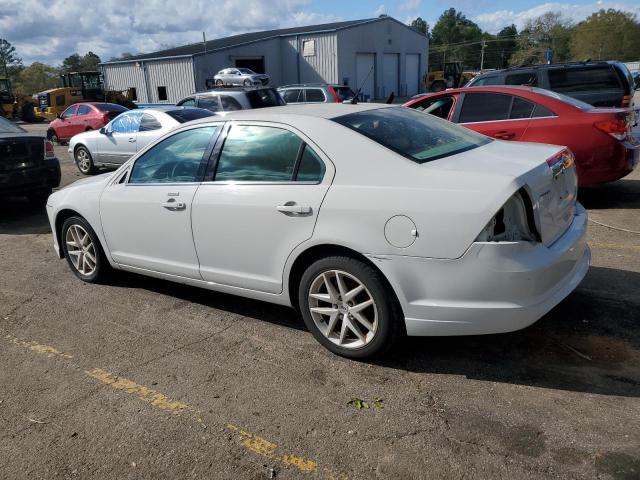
(82, 117)
(600, 138)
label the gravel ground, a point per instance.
(143, 378)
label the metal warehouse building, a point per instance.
(381, 55)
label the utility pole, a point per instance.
(484, 44)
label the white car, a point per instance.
(127, 134)
(373, 221)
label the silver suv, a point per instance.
(240, 76)
(229, 99)
(316, 93)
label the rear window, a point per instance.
(582, 79)
(565, 98)
(187, 114)
(110, 107)
(264, 97)
(420, 138)
(7, 126)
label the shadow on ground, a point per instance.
(19, 217)
(588, 343)
(623, 193)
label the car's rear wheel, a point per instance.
(84, 161)
(247, 83)
(82, 250)
(219, 82)
(348, 308)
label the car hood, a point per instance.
(94, 181)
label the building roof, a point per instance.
(244, 38)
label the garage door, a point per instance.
(365, 74)
(413, 74)
(390, 74)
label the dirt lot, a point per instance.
(146, 379)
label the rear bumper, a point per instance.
(492, 288)
(30, 180)
(609, 164)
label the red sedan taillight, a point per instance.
(48, 150)
(616, 127)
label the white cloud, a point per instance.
(381, 10)
(410, 5)
(50, 30)
(495, 21)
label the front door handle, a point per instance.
(291, 207)
(174, 206)
(504, 135)
(132, 140)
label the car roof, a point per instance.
(480, 88)
(315, 110)
(300, 85)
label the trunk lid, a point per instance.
(20, 152)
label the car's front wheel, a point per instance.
(247, 83)
(219, 82)
(348, 307)
(82, 250)
(84, 161)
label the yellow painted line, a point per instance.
(615, 246)
(38, 347)
(146, 394)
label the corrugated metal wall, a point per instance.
(175, 74)
(323, 65)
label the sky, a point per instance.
(50, 30)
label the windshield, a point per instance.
(187, 114)
(247, 71)
(419, 137)
(565, 98)
(264, 97)
(9, 127)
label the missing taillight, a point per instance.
(514, 222)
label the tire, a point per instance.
(382, 314)
(84, 160)
(438, 86)
(219, 82)
(92, 265)
(247, 83)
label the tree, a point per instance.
(607, 35)
(506, 45)
(549, 30)
(455, 38)
(420, 25)
(73, 63)
(90, 61)
(8, 57)
(35, 78)
(123, 56)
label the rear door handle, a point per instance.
(504, 135)
(172, 205)
(293, 208)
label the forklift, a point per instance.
(76, 87)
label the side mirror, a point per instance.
(103, 131)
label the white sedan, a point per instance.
(373, 221)
(127, 134)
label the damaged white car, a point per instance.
(373, 221)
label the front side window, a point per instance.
(440, 107)
(209, 103)
(257, 153)
(229, 103)
(70, 112)
(490, 80)
(126, 123)
(484, 107)
(176, 159)
(420, 138)
(189, 102)
(315, 95)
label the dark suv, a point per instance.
(225, 99)
(602, 84)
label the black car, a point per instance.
(28, 165)
(602, 84)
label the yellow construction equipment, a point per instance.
(13, 105)
(451, 76)
(76, 87)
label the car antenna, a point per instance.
(354, 100)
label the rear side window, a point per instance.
(149, 123)
(229, 103)
(210, 103)
(521, 109)
(311, 167)
(525, 78)
(577, 79)
(484, 107)
(418, 137)
(315, 95)
(264, 97)
(540, 111)
(257, 153)
(292, 96)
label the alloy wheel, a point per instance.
(81, 250)
(342, 309)
(83, 159)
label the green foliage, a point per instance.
(77, 63)
(455, 38)
(606, 35)
(549, 30)
(35, 78)
(420, 25)
(8, 57)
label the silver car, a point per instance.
(127, 134)
(240, 76)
